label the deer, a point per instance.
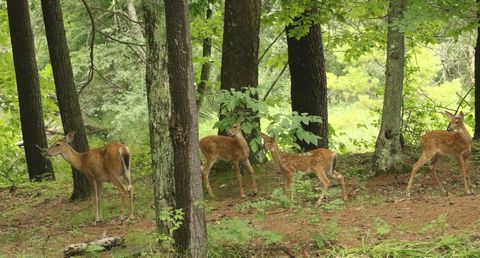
(455, 141)
(110, 163)
(232, 148)
(320, 161)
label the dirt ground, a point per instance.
(39, 221)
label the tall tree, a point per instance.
(158, 96)
(65, 88)
(190, 238)
(28, 85)
(476, 134)
(306, 62)
(207, 53)
(388, 148)
(240, 44)
(240, 48)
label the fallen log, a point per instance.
(98, 245)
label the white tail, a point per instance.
(109, 163)
(455, 142)
(234, 148)
(319, 161)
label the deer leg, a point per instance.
(98, 213)
(123, 193)
(340, 178)
(326, 184)
(252, 174)
(433, 172)
(239, 178)
(205, 172)
(463, 166)
(423, 159)
(126, 176)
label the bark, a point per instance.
(240, 50)
(28, 86)
(309, 82)
(207, 53)
(190, 238)
(158, 96)
(388, 149)
(65, 88)
(80, 249)
(476, 134)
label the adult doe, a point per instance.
(456, 141)
(319, 161)
(233, 148)
(109, 163)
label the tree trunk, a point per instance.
(207, 53)
(28, 85)
(240, 50)
(65, 87)
(158, 96)
(190, 238)
(388, 149)
(476, 134)
(309, 81)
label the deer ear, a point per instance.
(70, 136)
(450, 115)
(462, 114)
(265, 136)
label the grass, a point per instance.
(377, 221)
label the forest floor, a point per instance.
(378, 220)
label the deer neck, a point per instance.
(73, 157)
(465, 135)
(242, 142)
(276, 154)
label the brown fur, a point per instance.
(234, 148)
(455, 142)
(319, 161)
(110, 163)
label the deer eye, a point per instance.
(58, 144)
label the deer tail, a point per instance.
(334, 162)
(126, 160)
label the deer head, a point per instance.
(236, 129)
(456, 122)
(269, 143)
(60, 146)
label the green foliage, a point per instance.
(230, 236)
(242, 107)
(382, 227)
(328, 235)
(436, 226)
(174, 218)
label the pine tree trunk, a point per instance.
(388, 149)
(309, 81)
(240, 50)
(476, 134)
(158, 95)
(28, 85)
(207, 53)
(190, 238)
(65, 88)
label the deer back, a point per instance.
(223, 147)
(307, 161)
(104, 162)
(445, 142)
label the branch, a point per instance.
(120, 14)
(119, 40)
(271, 44)
(92, 40)
(276, 80)
(463, 99)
